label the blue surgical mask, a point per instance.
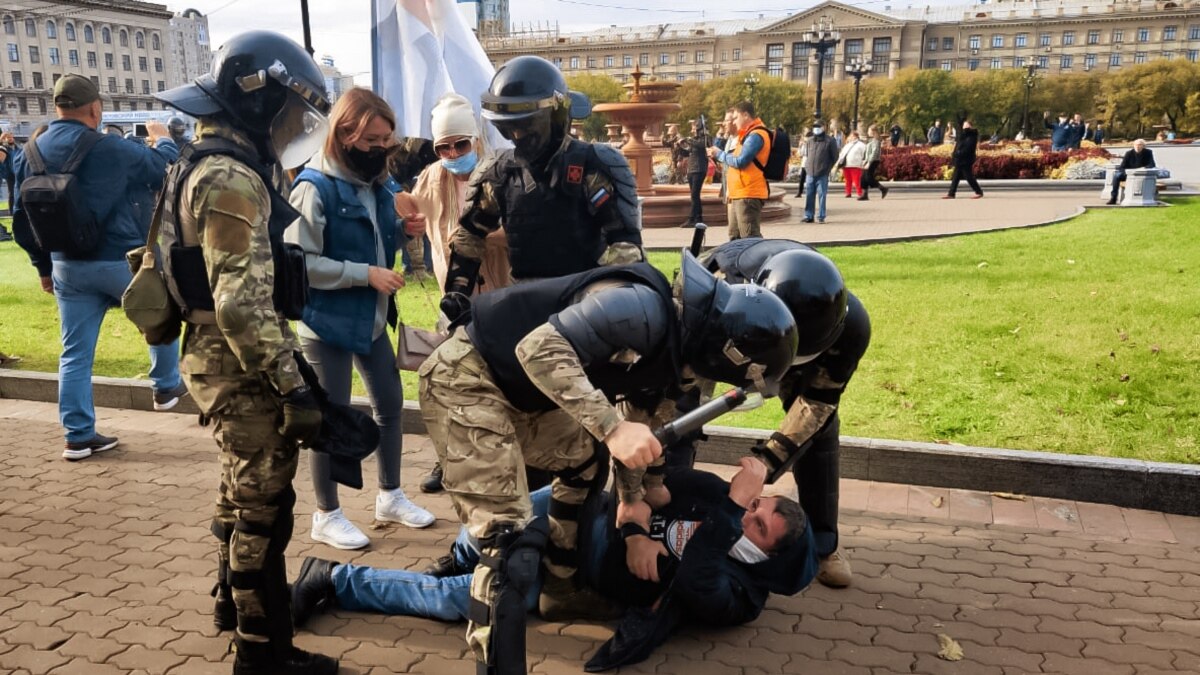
(745, 551)
(463, 164)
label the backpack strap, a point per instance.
(87, 141)
(768, 140)
(37, 166)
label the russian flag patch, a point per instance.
(600, 197)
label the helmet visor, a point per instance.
(298, 132)
(529, 135)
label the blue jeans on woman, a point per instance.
(85, 291)
(405, 593)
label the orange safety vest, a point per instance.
(749, 182)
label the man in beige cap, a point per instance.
(108, 173)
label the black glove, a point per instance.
(454, 305)
(301, 416)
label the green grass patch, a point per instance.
(1080, 337)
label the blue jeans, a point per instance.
(85, 290)
(814, 185)
(405, 593)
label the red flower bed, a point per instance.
(916, 163)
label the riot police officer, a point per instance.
(262, 109)
(835, 333)
(566, 205)
(178, 130)
(515, 388)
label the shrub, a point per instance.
(1026, 159)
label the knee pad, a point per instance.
(516, 561)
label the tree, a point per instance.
(921, 96)
(1140, 97)
(600, 89)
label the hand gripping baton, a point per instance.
(685, 424)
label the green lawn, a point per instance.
(1080, 337)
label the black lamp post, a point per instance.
(822, 38)
(751, 81)
(858, 69)
(1030, 80)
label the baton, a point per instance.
(685, 424)
(697, 239)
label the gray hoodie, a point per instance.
(820, 155)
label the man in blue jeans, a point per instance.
(740, 547)
(820, 154)
(112, 176)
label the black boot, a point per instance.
(224, 611)
(433, 482)
(265, 658)
(313, 589)
(447, 566)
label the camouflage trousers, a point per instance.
(484, 444)
(253, 517)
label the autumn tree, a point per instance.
(600, 89)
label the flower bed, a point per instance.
(1006, 160)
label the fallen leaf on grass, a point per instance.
(1154, 349)
(1122, 335)
(982, 265)
(1124, 377)
(1119, 401)
(949, 650)
(1009, 495)
(1015, 330)
(937, 502)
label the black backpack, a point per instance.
(55, 203)
(778, 156)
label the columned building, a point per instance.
(1060, 36)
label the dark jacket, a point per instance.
(1062, 134)
(821, 154)
(1137, 160)
(697, 154)
(936, 135)
(964, 147)
(112, 177)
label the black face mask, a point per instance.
(367, 164)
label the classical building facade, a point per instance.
(1060, 36)
(130, 49)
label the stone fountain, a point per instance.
(649, 105)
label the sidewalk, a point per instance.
(106, 564)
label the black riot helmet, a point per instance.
(177, 128)
(529, 104)
(813, 289)
(268, 87)
(740, 334)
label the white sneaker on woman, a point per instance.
(335, 529)
(394, 506)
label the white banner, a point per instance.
(423, 49)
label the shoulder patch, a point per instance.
(575, 174)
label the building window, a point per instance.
(1043, 62)
(145, 86)
(1044, 40)
(112, 85)
(96, 81)
(699, 77)
(931, 44)
(17, 80)
(162, 86)
(881, 53)
(1089, 61)
(1114, 59)
(701, 56)
(1068, 38)
(123, 37)
(664, 58)
(643, 59)
(1118, 36)
(42, 105)
(139, 39)
(1065, 62)
(947, 65)
(155, 42)
(1093, 37)
(724, 56)
(608, 61)
(128, 85)
(627, 61)
(1139, 57)
(91, 59)
(1168, 56)
(947, 44)
(89, 35)
(972, 64)
(681, 78)
(1169, 33)
(108, 61)
(1194, 32)
(853, 48)
(106, 35)
(133, 105)
(737, 54)
(158, 64)
(1019, 62)
(574, 63)
(1193, 56)
(997, 41)
(126, 62)
(775, 69)
(55, 77)
(1143, 35)
(591, 62)
(73, 57)
(30, 28)
(997, 64)
(775, 50)
(116, 106)
(10, 26)
(38, 83)
(51, 30)
(34, 55)
(682, 57)
(930, 64)
(54, 56)
(69, 29)
(973, 42)
(1022, 40)
(22, 106)
(799, 71)
(14, 53)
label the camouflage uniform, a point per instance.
(237, 362)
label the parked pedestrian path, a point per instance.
(106, 566)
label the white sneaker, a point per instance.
(392, 505)
(335, 529)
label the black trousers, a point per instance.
(696, 183)
(803, 178)
(962, 172)
(816, 474)
(868, 178)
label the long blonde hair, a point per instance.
(351, 114)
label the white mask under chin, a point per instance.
(745, 551)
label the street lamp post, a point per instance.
(751, 82)
(1030, 80)
(822, 38)
(858, 68)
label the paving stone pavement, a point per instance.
(106, 565)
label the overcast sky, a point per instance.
(342, 28)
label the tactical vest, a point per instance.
(502, 318)
(547, 224)
(741, 259)
(183, 258)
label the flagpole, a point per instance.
(374, 48)
(307, 27)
